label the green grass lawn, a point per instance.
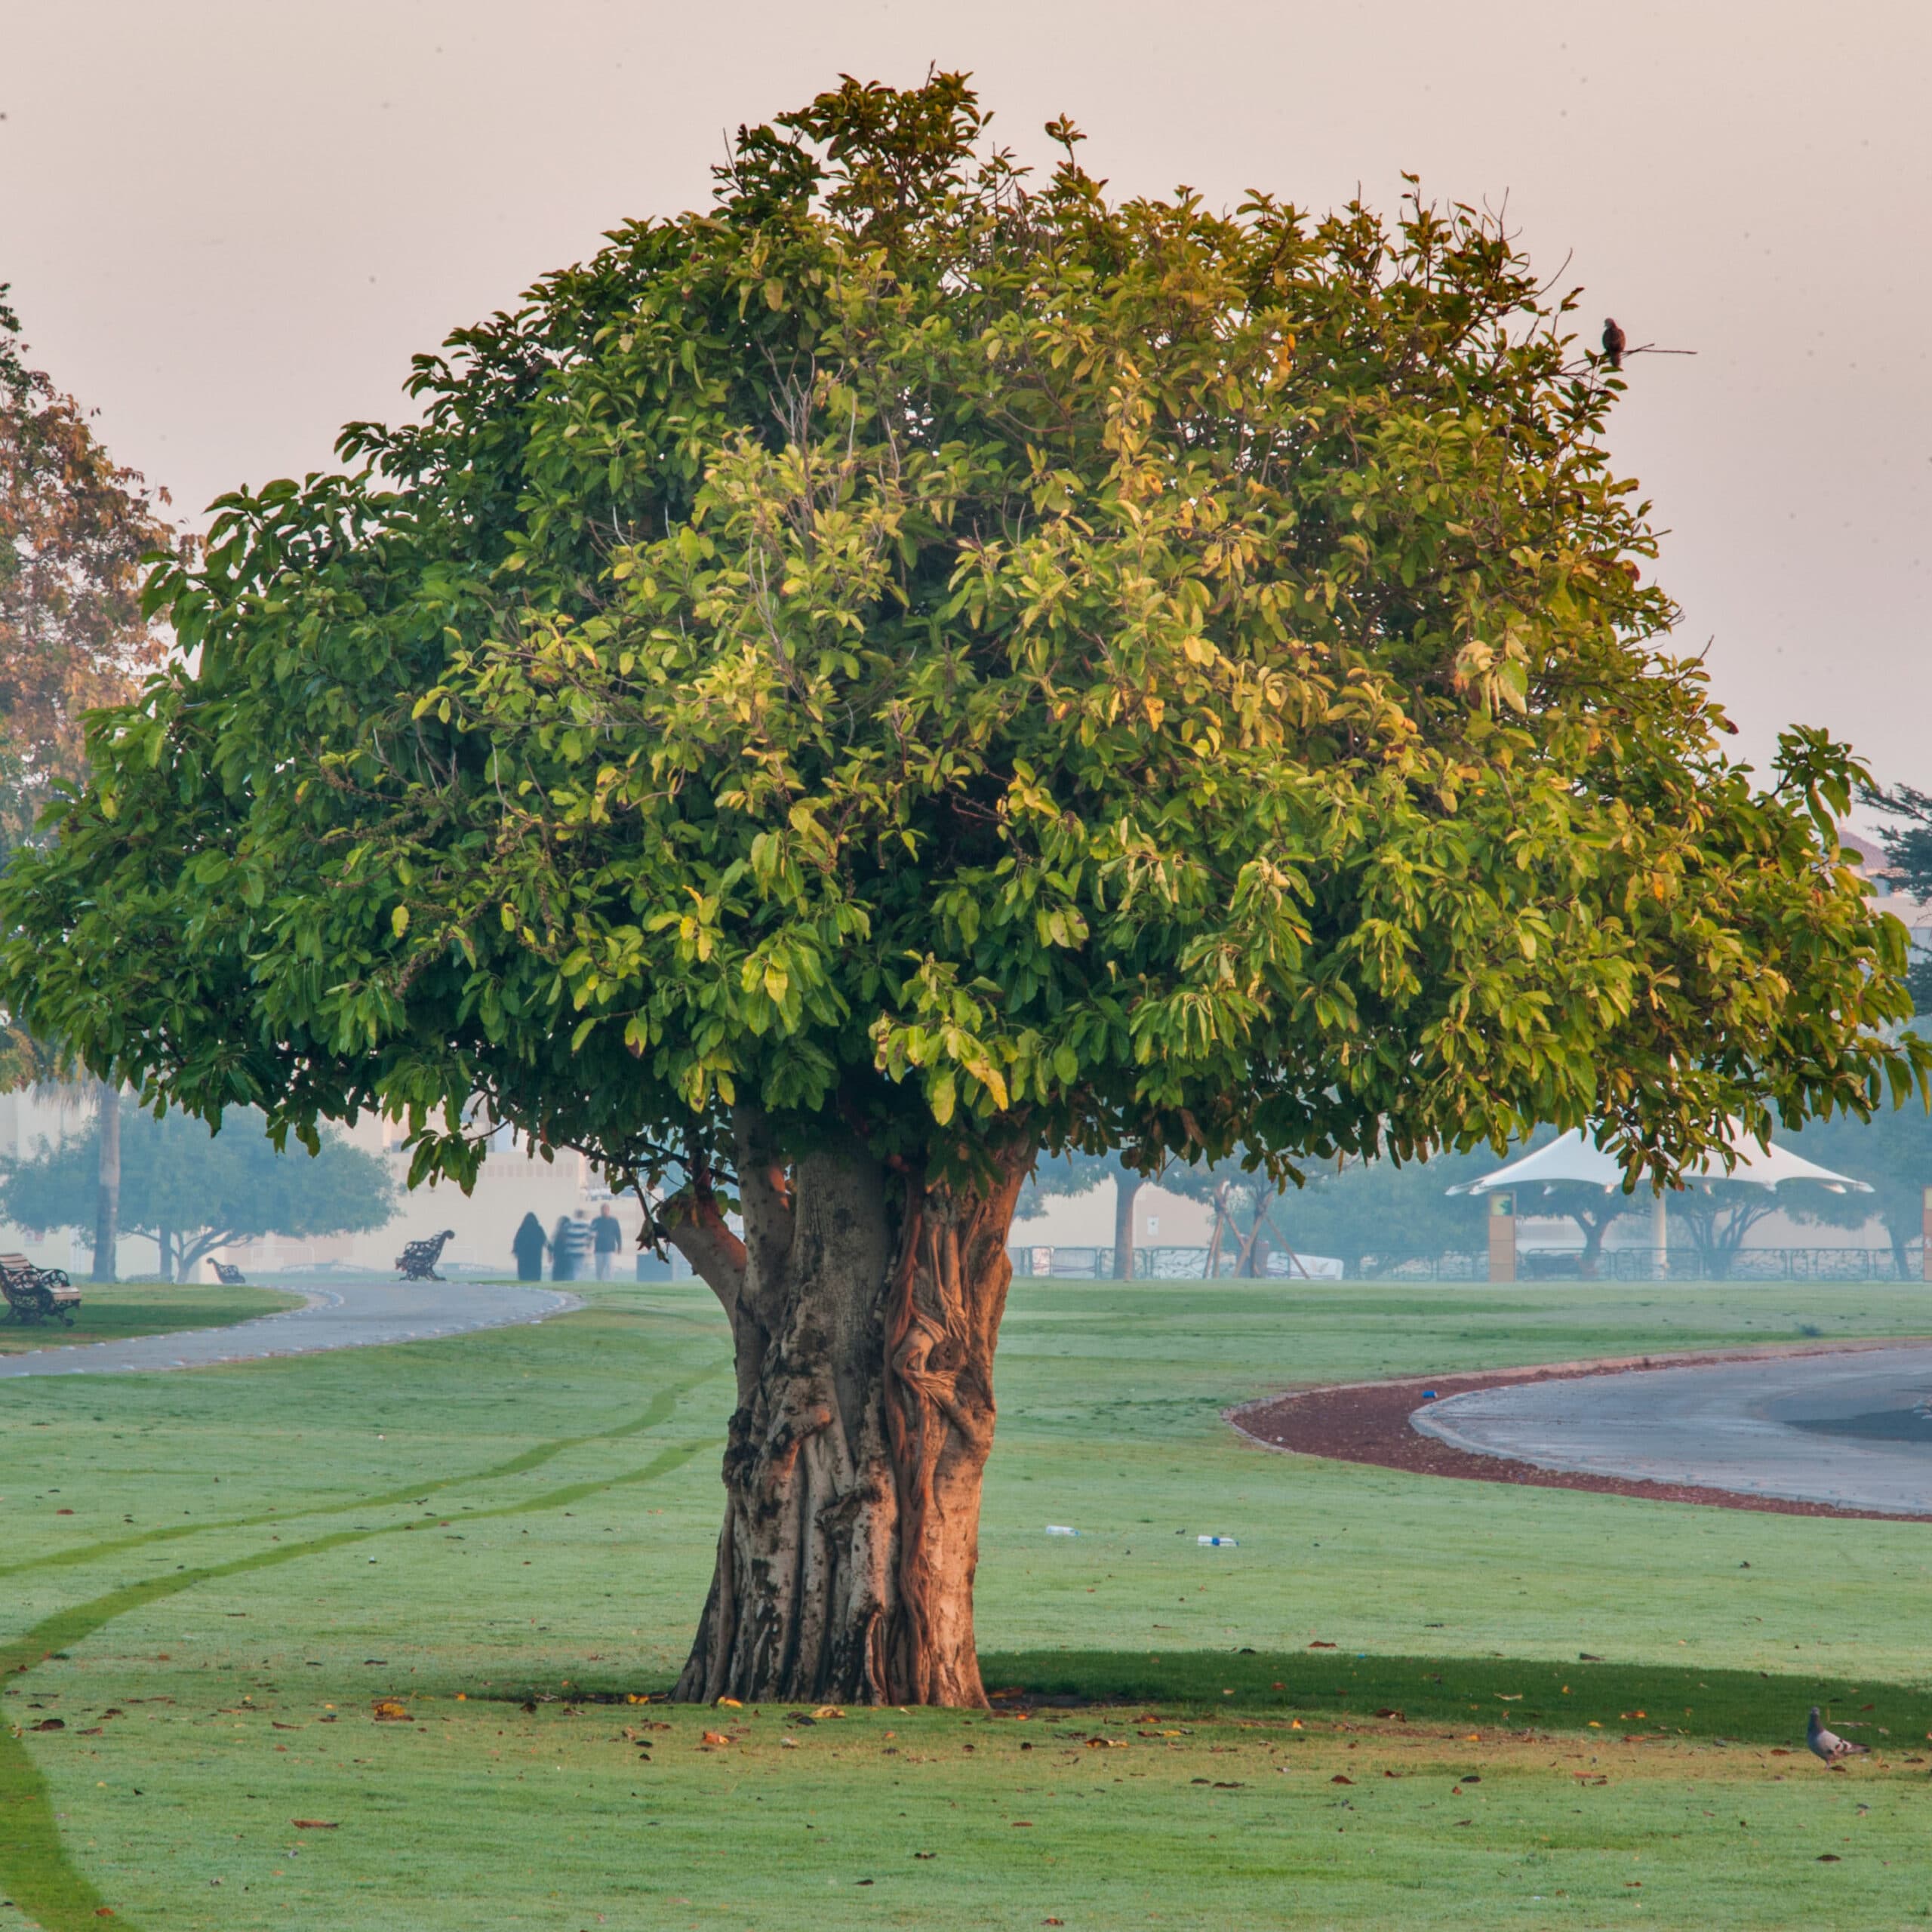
(508, 1534)
(119, 1311)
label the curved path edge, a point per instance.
(351, 1314)
(1369, 1422)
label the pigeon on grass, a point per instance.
(1829, 1745)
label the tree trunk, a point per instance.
(107, 1190)
(865, 1308)
(1128, 1184)
(164, 1240)
(1593, 1234)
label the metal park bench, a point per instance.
(229, 1276)
(418, 1259)
(35, 1294)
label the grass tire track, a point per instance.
(659, 1409)
(35, 1871)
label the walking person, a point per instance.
(528, 1245)
(607, 1237)
(563, 1251)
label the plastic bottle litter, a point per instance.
(1217, 1542)
(1429, 1394)
(1060, 1529)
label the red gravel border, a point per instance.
(1368, 1422)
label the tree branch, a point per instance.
(693, 1225)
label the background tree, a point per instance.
(914, 666)
(1068, 1175)
(1892, 1153)
(1718, 1214)
(75, 529)
(1907, 845)
(190, 1192)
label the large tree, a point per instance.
(190, 1193)
(914, 666)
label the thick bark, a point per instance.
(865, 1308)
(107, 1192)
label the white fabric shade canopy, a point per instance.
(1574, 1157)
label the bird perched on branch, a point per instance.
(1614, 340)
(1828, 1744)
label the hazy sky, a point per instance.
(229, 223)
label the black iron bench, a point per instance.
(35, 1294)
(418, 1259)
(229, 1276)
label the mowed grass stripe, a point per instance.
(35, 1867)
(656, 1412)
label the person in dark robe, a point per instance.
(563, 1251)
(528, 1244)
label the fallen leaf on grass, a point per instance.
(730, 1704)
(1779, 1750)
(1829, 1858)
(314, 1824)
(1338, 1779)
(925, 1854)
(828, 1711)
(715, 1737)
(1389, 1711)
(49, 1723)
(387, 1711)
(1321, 1644)
(1023, 1824)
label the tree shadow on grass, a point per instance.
(1481, 1694)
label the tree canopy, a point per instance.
(966, 657)
(191, 1193)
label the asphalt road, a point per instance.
(1854, 1430)
(349, 1315)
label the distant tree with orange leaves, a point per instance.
(75, 527)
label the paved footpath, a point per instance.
(1854, 1430)
(347, 1315)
